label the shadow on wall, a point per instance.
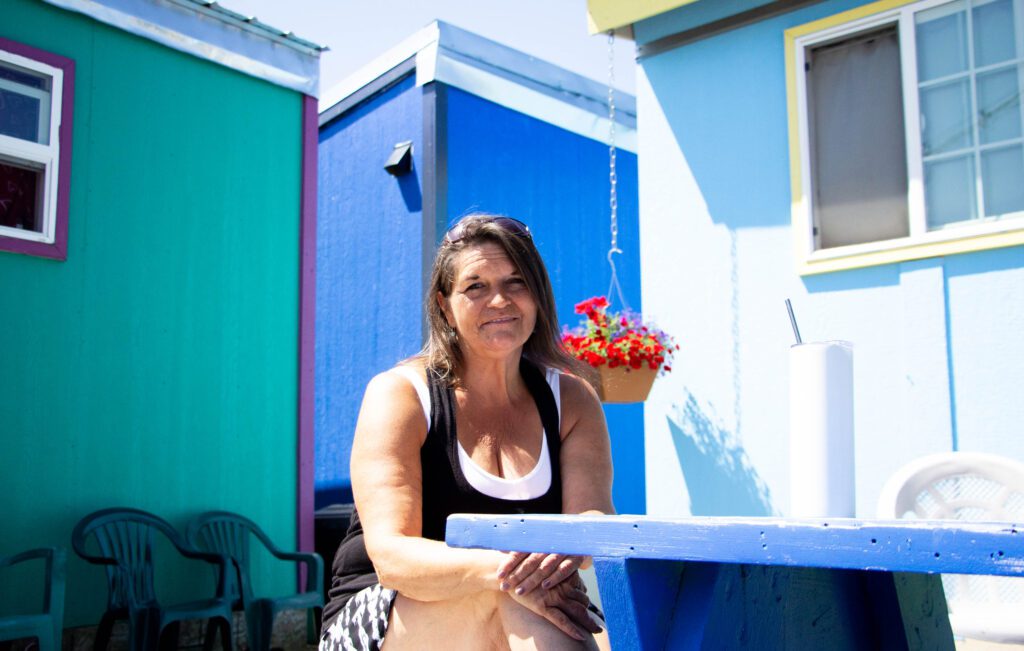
(409, 184)
(733, 147)
(717, 471)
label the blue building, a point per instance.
(864, 159)
(485, 128)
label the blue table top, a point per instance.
(928, 546)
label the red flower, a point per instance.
(617, 339)
(591, 305)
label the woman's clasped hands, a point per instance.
(550, 586)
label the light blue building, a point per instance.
(864, 159)
(485, 128)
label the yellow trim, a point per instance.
(911, 251)
(914, 252)
(793, 120)
(845, 17)
(604, 15)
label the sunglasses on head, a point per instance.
(508, 224)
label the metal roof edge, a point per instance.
(206, 30)
(419, 42)
(498, 73)
(253, 24)
(497, 58)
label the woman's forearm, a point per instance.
(429, 570)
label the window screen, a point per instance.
(859, 161)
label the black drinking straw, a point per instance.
(792, 321)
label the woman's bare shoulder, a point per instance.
(395, 382)
(391, 405)
(577, 391)
(417, 364)
(400, 372)
(579, 401)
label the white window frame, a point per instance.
(18, 151)
(977, 234)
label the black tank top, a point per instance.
(445, 488)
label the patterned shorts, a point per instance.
(361, 624)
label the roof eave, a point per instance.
(206, 30)
(606, 15)
(500, 74)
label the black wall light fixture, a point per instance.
(400, 160)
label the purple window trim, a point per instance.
(59, 249)
(307, 309)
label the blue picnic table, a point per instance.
(763, 583)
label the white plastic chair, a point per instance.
(967, 486)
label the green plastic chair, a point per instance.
(47, 626)
(124, 538)
(229, 534)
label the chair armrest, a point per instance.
(224, 563)
(42, 552)
(188, 551)
(314, 566)
(209, 557)
(55, 560)
(96, 560)
(78, 544)
(242, 581)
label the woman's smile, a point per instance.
(501, 320)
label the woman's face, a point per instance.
(490, 306)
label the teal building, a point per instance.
(157, 223)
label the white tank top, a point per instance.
(533, 484)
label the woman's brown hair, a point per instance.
(544, 347)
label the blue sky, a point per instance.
(357, 31)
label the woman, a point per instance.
(481, 421)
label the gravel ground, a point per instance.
(289, 635)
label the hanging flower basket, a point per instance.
(623, 384)
(627, 354)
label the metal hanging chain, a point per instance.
(613, 180)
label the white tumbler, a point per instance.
(821, 465)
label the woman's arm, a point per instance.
(586, 464)
(586, 457)
(387, 487)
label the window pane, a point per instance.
(993, 32)
(998, 105)
(19, 115)
(941, 41)
(949, 191)
(23, 76)
(21, 197)
(945, 117)
(1003, 174)
(858, 151)
(24, 104)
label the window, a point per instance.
(908, 131)
(35, 149)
